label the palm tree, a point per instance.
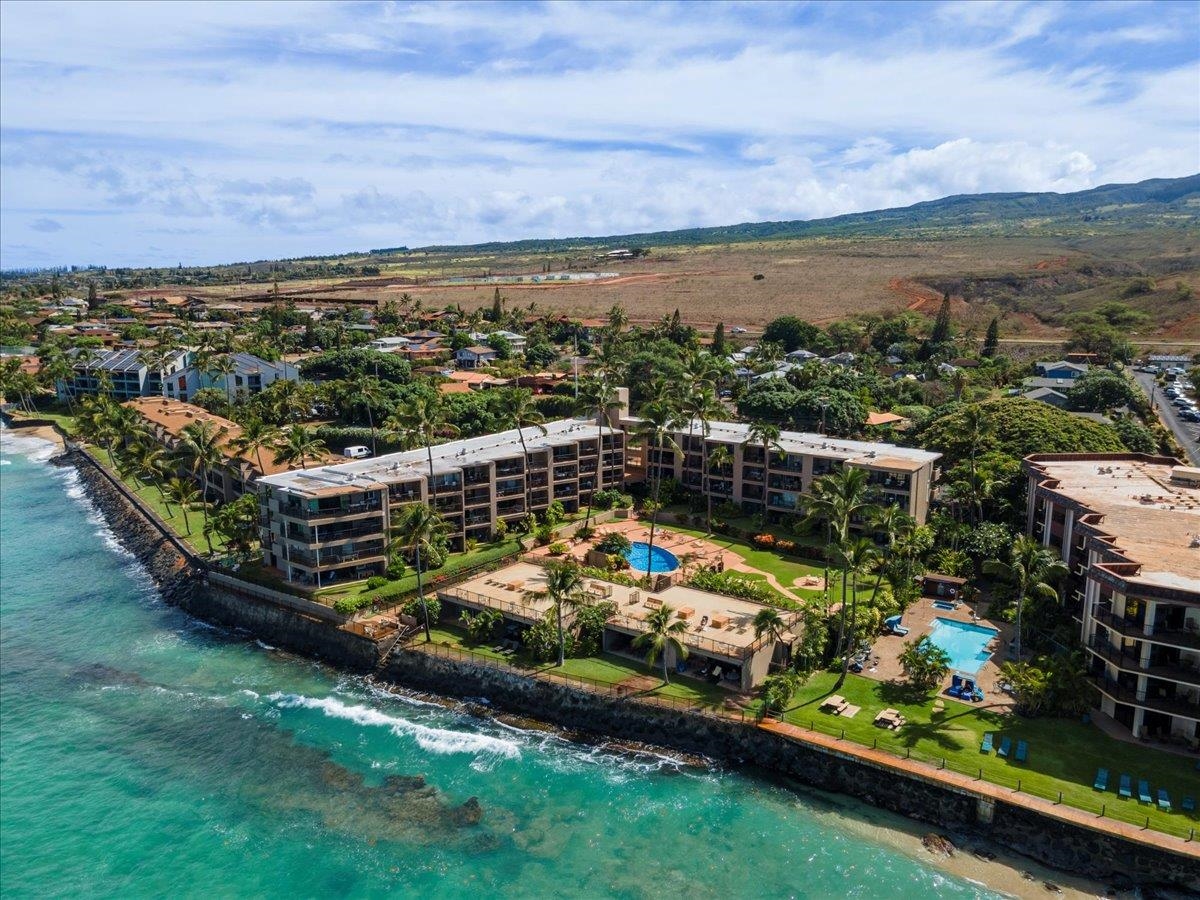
(837, 499)
(296, 444)
(564, 587)
(1030, 572)
(523, 413)
(422, 422)
(770, 623)
(715, 461)
(700, 405)
(199, 447)
(150, 459)
(418, 528)
(184, 492)
(365, 391)
(767, 434)
(856, 557)
(658, 418)
(597, 397)
(255, 435)
(663, 633)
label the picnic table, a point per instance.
(835, 702)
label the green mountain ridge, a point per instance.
(1156, 201)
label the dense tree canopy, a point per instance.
(1100, 390)
(1018, 427)
(336, 364)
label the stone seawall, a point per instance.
(183, 582)
(1057, 844)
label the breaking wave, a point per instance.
(432, 740)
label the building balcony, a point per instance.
(1127, 662)
(477, 496)
(565, 473)
(333, 535)
(510, 470)
(478, 517)
(325, 560)
(1186, 639)
(331, 512)
(1172, 706)
(448, 504)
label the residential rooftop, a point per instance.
(874, 453)
(1154, 521)
(392, 468)
(728, 622)
(174, 415)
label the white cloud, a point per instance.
(292, 128)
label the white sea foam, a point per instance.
(265, 646)
(432, 740)
(35, 448)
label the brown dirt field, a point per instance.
(818, 279)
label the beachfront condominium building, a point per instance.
(331, 523)
(1128, 528)
(123, 372)
(128, 374)
(901, 476)
(238, 469)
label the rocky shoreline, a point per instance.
(603, 720)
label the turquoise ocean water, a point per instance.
(145, 754)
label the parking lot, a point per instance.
(1172, 415)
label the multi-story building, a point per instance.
(236, 473)
(130, 376)
(1128, 528)
(125, 370)
(331, 522)
(899, 475)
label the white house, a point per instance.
(474, 357)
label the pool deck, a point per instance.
(919, 619)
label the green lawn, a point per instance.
(190, 529)
(607, 668)
(785, 569)
(1063, 754)
(57, 414)
(455, 563)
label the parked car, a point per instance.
(358, 451)
(1190, 415)
(737, 329)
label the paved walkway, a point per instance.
(979, 788)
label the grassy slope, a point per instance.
(1063, 755)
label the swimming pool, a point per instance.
(966, 643)
(661, 560)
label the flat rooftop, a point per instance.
(394, 468)
(1152, 519)
(874, 453)
(726, 621)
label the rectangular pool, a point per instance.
(966, 643)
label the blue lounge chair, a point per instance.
(1022, 753)
(1144, 791)
(1188, 804)
(1126, 786)
(1164, 800)
(1005, 747)
(1101, 782)
(986, 746)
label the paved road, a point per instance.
(1187, 433)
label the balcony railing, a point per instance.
(1172, 636)
(1128, 662)
(1171, 705)
(477, 496)
(350, 509)
(327, 559)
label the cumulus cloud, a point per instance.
(46, 225)
(230, 131)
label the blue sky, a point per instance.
(139, 134)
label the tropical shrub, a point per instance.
(412, 607)
(765, 540)
(614, 544)
(734, 585)
(558, 548)
(778, 690)
(541, 639)
(481, 626)
(614, 577)
(589, 622)
(395, 568)
(925, 664)
(585, 532)
(376, 581)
